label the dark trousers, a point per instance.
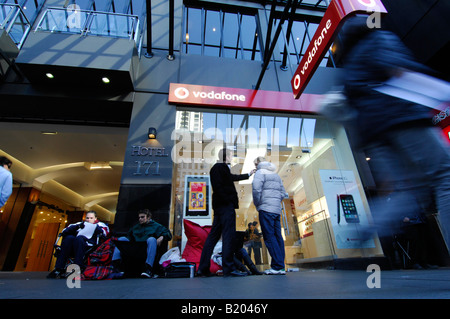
(72, 246)
(224, 225)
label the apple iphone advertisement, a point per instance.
(346, 209)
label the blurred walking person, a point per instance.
(397, 134)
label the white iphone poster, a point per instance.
(346, 209)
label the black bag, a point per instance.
(179, 270)
(133, 256)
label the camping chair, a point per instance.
(57, 250)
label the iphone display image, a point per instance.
(347, 203)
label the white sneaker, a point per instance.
(272, 271)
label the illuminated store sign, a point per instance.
(333, 19)
(201, 95)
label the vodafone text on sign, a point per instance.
(334, 17)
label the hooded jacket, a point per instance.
(268, 190)
(374, 59)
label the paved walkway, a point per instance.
(305, 284)
(303, 293)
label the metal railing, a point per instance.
(14, 21)
(86, 22)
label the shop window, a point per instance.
(315, 162)
(221, 33)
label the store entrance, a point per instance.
(311, 155)
(285, 141)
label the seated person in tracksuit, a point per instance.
(77, 238)
(147, 230)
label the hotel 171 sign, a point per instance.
(333, 19)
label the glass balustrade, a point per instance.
(14, 21)
(86, 23)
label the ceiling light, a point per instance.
(97, 165)
(105, 80)
(49, 75)
(49, 132)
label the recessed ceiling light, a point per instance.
(97, 165)
(49, 75)
(105, 80)
(49, 132)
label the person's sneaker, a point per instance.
(56, 274)
(272, 271)
(147, 273)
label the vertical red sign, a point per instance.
(334, 17)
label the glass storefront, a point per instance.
(326, 210)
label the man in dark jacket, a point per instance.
(396, 134)
(224, 202)
(147, 230)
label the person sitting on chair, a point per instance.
(147, 230)
(77, 239)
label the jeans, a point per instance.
(256, 247)
(413, 164)
(271, 229)
(151, 250)
(72, 246)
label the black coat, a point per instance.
(222, 181)
(373, 60)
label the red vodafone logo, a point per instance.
(368, 3)
(297, 81)
(181, 93)
(335, 15)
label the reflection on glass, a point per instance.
(307, 136)
(221, 34)
(212, 28)
(299, 39)
(305, 222)
(281, 124)
(294, 132)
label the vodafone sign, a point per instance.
(212, 96)
(334, 17)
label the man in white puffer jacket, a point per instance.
(268, 193)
